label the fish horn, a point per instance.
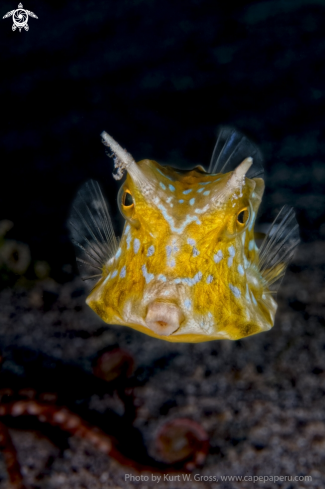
(237, 178)
(124, 161)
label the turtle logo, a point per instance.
(20, 18)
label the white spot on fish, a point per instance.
(171, 188)
(107, 278)
(243, 238)
(123, 272)
(204, 209)
(195, 251)
(206, 192)
(163, 186)
(188, 191)
(252, 221)
(218, 256)
(162, 278)
(232, 253)
(192, 201)
(187, 303)
(200, 190)
(181, 201)
(247, 295)
(148, 276)
(235, 291)
(171, 263)
(240, 269)
(168, 250)
(209, 279)
(251, 245)
(191, 241)
(192, 281)
(253, 299)
(174, 244)
(118, 253)
(136, 245)
(170, 220)
(114, 273)
(129, 240)
(151, 250)
(189, 281)
(246, 262)
(127, 229)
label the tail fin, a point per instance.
(278, 247)
(231, 148)
(92, 231)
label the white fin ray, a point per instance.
(92, 231)
(231, 148)
(278, 247)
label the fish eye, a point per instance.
(127, 200)
(126, 206)
(243, 216)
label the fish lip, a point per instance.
(163, 317)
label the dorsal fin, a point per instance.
(92, 231)
(278, 247)
(231, 148)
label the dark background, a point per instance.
(159, 76)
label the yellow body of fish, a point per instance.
(187, 268)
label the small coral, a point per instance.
(113, 364)
(15, 256)
(180, 440)
(5, 226)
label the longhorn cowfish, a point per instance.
(187, 267)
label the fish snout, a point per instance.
(163, 318)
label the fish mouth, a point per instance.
(163, 318)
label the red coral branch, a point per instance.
(10, 457)
(76, 426)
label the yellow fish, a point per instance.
(187, 267)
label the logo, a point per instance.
(20, 18)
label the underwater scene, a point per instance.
(162, 245)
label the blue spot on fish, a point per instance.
(148, 276)
(235, 291)
(218, 257)
(192, 201)
(188, 191)
(136, 245)
(163, 174)
(240, 269)
(172, 188)
(162, 185)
